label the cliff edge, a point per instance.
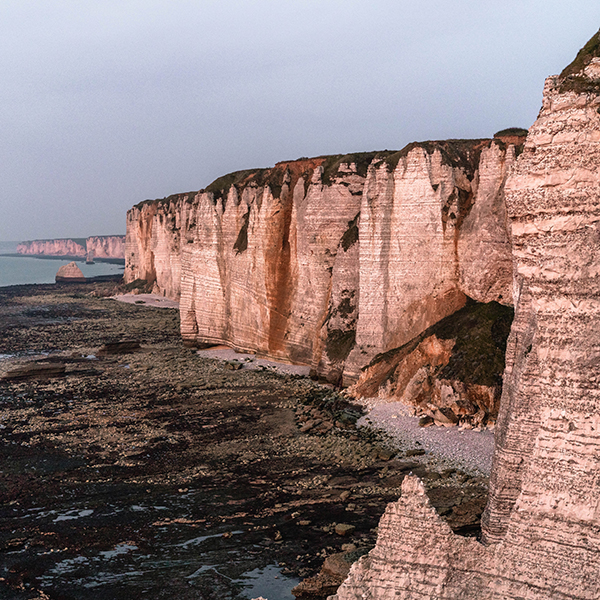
(332, 260)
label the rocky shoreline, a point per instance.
(163, 473)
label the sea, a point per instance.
(22, 269)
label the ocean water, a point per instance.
(17, 270)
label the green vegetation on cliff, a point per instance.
(571, 78)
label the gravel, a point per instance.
(469, 450)
(251, 361)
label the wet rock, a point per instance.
(344, 529)
(233, 365)
(122, 347)
(35, 370)
(415, 452)
(385, 454)
(334, 570)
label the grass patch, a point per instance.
(185, 196)
(481, 331)
(362, 160)
(520, 131)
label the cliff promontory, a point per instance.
(99, 246)
(541, 528)
(332, 260)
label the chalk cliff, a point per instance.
(332, 260)
(58, 247)
(105, 246)
(541, 528)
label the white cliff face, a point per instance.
(541, 528)
(257, 268)
(327, 262)
(425, 233)
(105, 246)
(152, 244)
(62, 247)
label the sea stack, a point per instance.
(70, 273)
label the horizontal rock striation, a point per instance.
(104, 246)
(541, 528)
(329, 261)
(153, 243)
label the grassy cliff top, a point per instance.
(456, 153)
(571, 79)
(460, 153)
(80, 241)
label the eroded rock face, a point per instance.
(329, 261)
(541, 527)
(153, 243)
(61, 247)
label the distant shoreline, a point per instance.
(116, 277)
(114, 261)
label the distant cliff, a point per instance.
(541, 528)
(332, 260)
(106, 246)
(59, 247)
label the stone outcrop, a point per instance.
(541, 527)
(70, 273)
(332, 260)
(105, 246)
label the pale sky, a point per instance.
(106, 103)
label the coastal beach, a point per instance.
(163, 472)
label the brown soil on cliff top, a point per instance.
(163, 474)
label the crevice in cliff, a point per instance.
(350, 236)
(278, 272)
(241, 243)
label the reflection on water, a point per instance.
(268, 582)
